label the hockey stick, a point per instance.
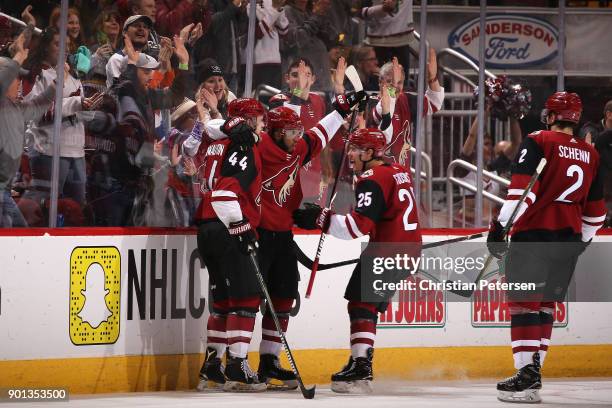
(308, 263)
(315, 263)
(468, 292)
(308, 393)
(353, 77)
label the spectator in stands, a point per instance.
(311, 108)
(75, 36)
(137, 28)
(148, 8)
(340, 16)
(497, 159)
(390, 29)
(72, 135)
(271, 24)
(130, 197)
(404, 106)
(180, 198)
(309, 36)
(216, 95)
(107, 41)
(591, 130)
(603, 143)
(172, 15)
(220, 42)
(14, 115)
(365, 60)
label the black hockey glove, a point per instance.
(239, 132)
(312, 217)
(344, 104)
(496, 242)
(245, 236)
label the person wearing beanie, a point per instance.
(214, 89)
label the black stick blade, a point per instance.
(309, 393)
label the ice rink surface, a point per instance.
(556, 393)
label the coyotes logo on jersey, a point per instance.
(281, 183)
(398, 149)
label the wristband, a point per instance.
(183, 66)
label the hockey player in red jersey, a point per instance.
(565, 206)
(228, 218)
(385, 211)
(404, 106)
(285, 149)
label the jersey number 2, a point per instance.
(403, 195)
(571, 170)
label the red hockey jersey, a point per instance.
(281, 185)
(233, 175)
(569, 192)
(386, 208)
(310, 112)
(403, 114)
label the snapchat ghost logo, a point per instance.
(95, 295)
(95, 311)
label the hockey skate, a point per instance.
(211, 373)
(356, 377)
(240, 377)
(271, 372)
(524, 386)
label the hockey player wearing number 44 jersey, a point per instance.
(558, 218)
(386, 211)
(283, 150)
(228, 216)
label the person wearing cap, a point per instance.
(180, 198)
(137, 28)
(14, 114)
(132, 161)
(148, 8)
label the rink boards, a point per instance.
(115, 312)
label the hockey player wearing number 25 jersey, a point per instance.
(385, 211)
(558, 218)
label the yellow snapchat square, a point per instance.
(95, 295)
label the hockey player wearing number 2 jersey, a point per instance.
(558, 218)
(385, 211)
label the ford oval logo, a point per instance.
(512, 41)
